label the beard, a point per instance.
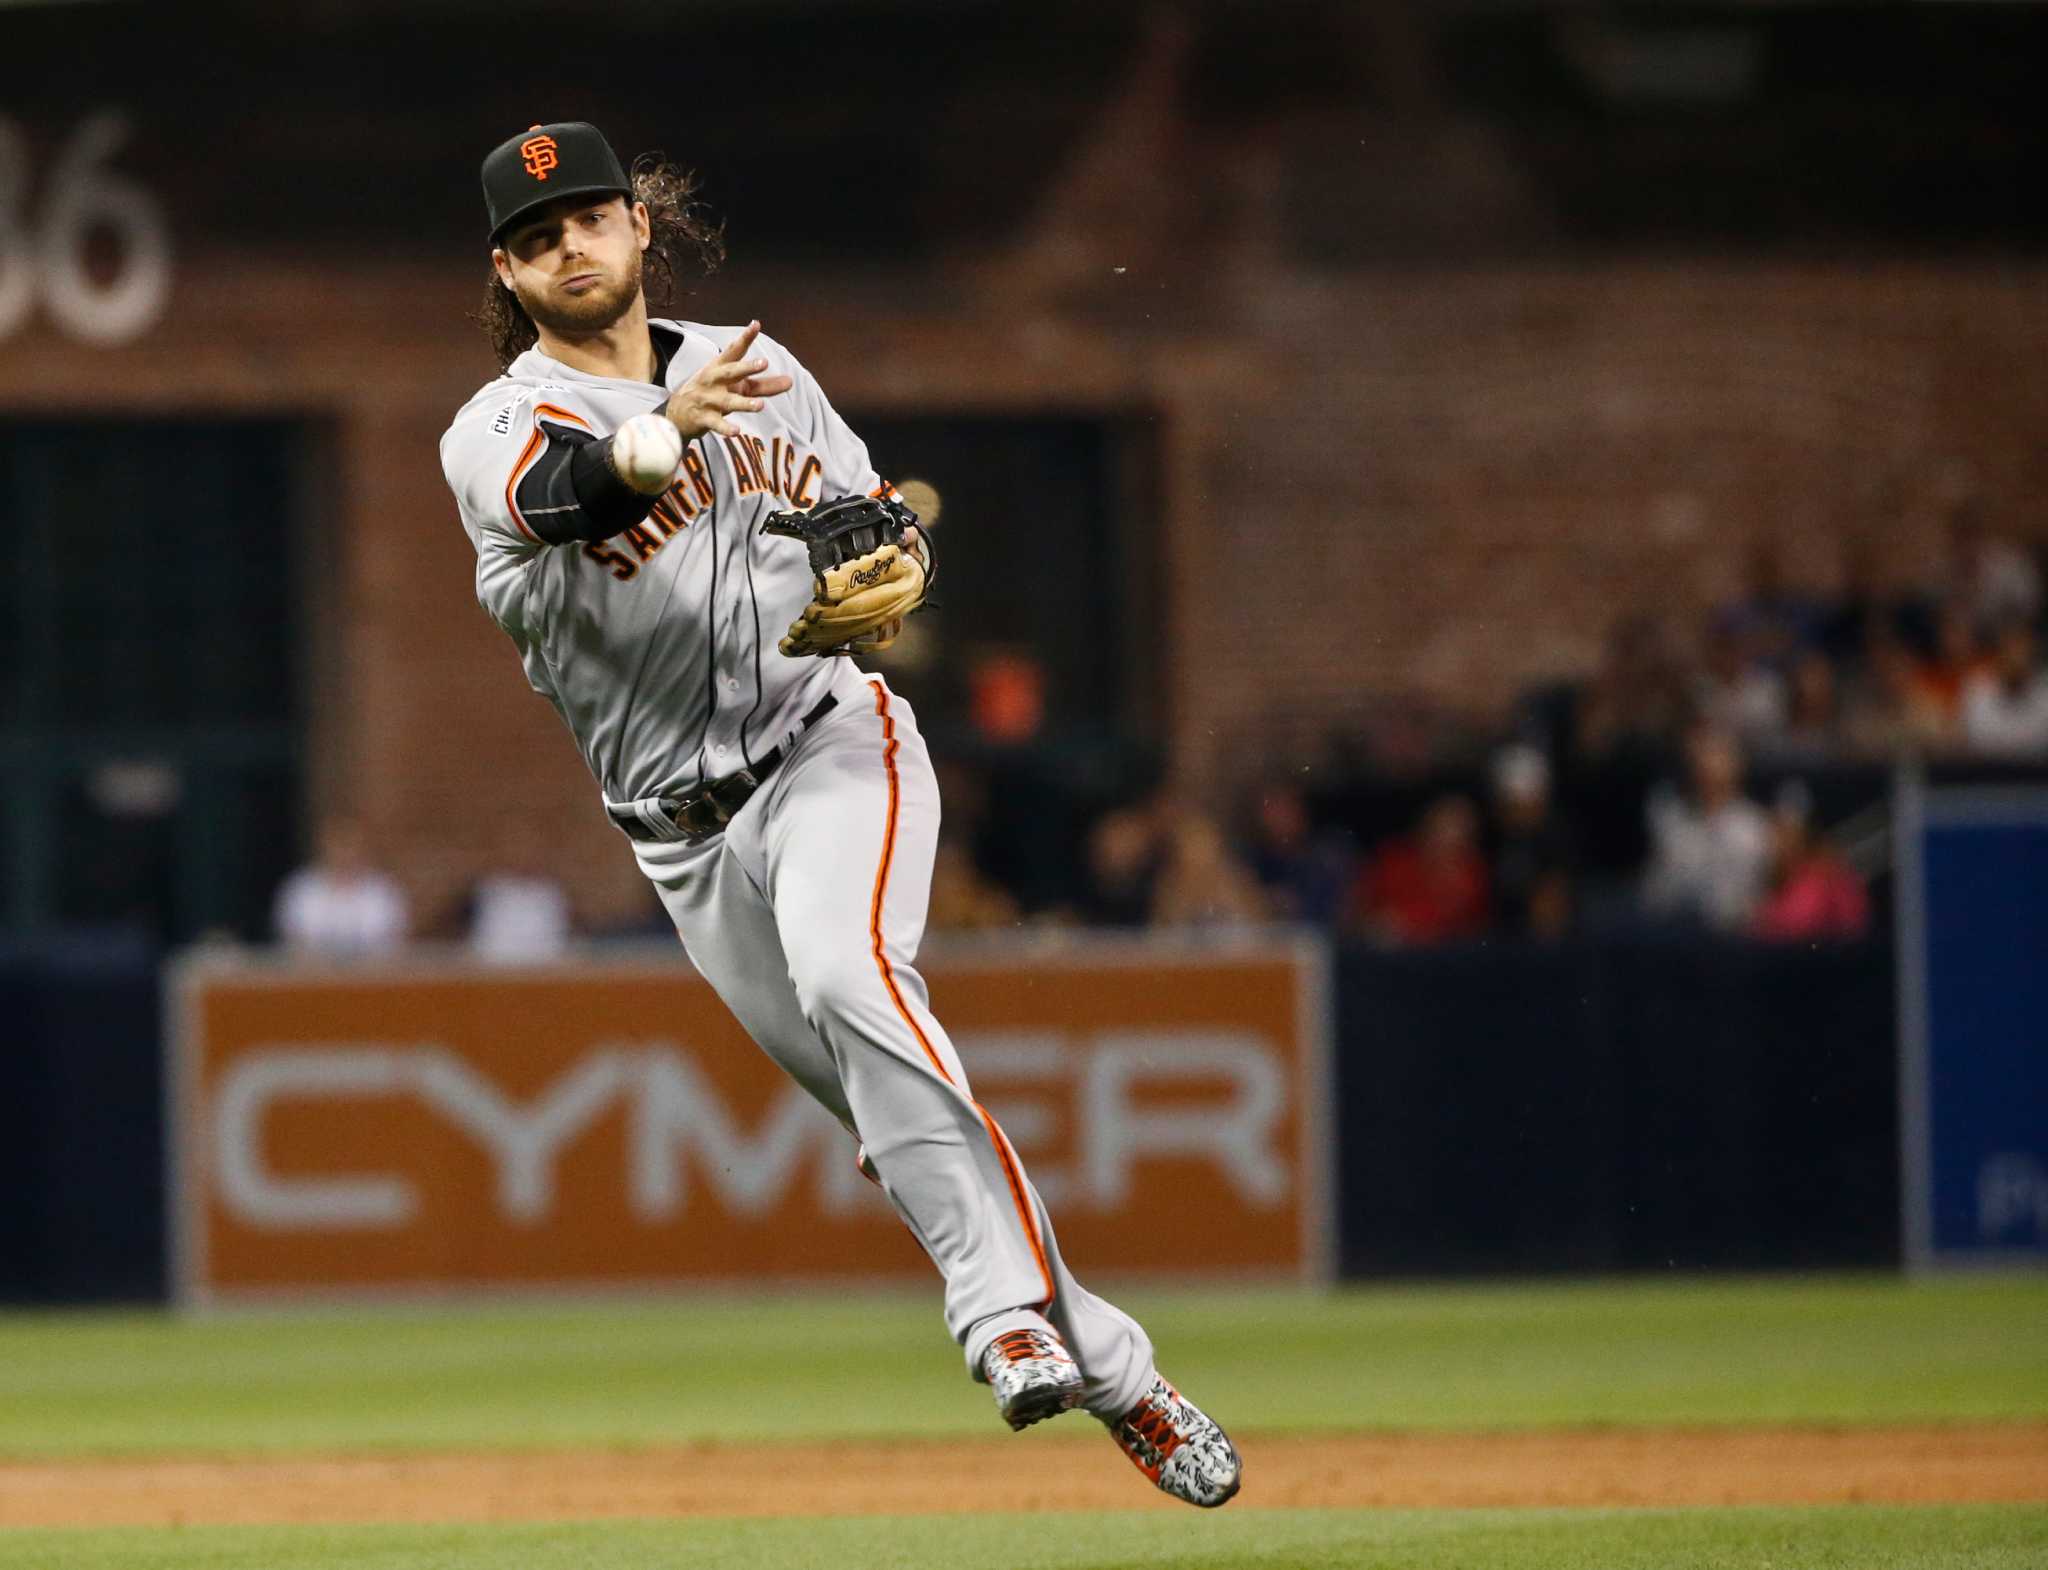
(590, 312)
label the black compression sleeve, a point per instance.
(609, 503)
(573, 493)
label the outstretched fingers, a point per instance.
(740, 345)
(745, 378)
(731, 383)
(764, 386)
(722, 370)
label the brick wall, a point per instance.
(1444, 482)
(1473, 475)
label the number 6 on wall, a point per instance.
(83, 197)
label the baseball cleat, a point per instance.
(1178, 1445)
(1033, 1375)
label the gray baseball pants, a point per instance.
(805, 916)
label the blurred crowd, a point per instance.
(1952, 666)
(1503, 865)
(1668, 789)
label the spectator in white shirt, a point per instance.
(1710, 848)
(341, 907)
(2005, 708)
(1994, 580)
(519, 913)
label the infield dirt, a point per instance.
(1601, 1467)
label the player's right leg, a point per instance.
(728, 930)
(948, 1170)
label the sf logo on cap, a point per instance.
(539, 155)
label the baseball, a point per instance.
(645, 451)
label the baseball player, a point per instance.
(681, 537)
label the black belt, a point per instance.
(707, 810)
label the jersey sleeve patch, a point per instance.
(503, 421)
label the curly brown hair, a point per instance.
(685, 238)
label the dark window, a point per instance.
(150, 688)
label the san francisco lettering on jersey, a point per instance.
(772, 468)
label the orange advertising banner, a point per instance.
(436, 1125)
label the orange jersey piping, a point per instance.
(995, 1134)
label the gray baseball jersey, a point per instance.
(657, 646)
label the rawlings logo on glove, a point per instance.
(866, 579)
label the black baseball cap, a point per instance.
(545, 162)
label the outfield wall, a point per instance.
(1603, 1106)
(81, 1128)
(1626, 1104)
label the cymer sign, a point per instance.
(424, 1128)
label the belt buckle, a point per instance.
(732, 792)
(708, 811)
(695, 819)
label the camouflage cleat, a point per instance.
(1032, 1374)
(1177, 1445)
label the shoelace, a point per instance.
(1153, 1427)
(1020, 1346)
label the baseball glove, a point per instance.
(865, 578)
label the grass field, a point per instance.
(82, 1391)
(1849, 1538)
